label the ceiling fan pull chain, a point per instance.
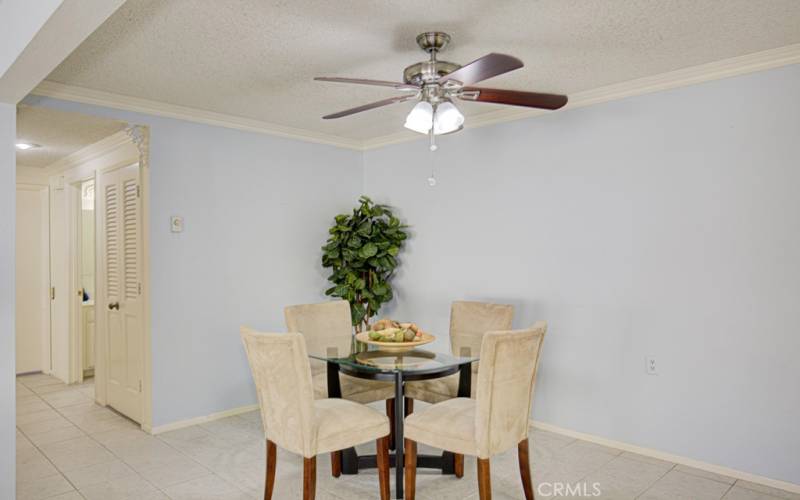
(434, 147)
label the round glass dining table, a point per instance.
(417, 364)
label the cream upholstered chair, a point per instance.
(493, 422)
(328, 329)
(469, 321)
(297, 422)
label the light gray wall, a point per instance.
(8, 123)
(257, 210)
(665, 225)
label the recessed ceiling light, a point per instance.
(26, 145)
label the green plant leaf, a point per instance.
(354, 242)
(368, 250)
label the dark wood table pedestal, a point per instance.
(352, 462)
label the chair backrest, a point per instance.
(279, 363)
(469, 321)
(326, 326)
(506, 378)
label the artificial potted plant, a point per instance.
(362, 251)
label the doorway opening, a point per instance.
(91, 330)
(86, 271)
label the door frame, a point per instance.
(122, 149)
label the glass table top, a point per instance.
(414, 361)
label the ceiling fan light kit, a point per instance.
(436, 83)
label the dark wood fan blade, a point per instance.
(362, 81)
(371, 105)
(514, 98)
(484, 68)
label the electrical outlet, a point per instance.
(650, 365)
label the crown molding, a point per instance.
(156, 108)
(758, 61)
(27, 174)
(89, 153)
(750, 63)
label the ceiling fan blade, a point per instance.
(362, 81)
(371, 105)
(514, 98)
(484, 68)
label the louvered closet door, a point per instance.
(121, 275)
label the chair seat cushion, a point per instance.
(449, 425)
(354, 389)
(437, 390)
(340, 424)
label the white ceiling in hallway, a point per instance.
(58, 133)
(256, 59)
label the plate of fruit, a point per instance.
(393, 336)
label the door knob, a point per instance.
(113, 305)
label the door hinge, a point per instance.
(140, 386)
(52, 293)
(140, 288)
(138, 191)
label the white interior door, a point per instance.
(120, 258)
(33, 281)
(59, 283)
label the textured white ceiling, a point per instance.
(59, 133)
(256, 59)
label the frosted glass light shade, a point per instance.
(420, 119)
(447, 119)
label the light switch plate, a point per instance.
(176, 224)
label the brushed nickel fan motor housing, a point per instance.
(429, 71)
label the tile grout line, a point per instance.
(728, 490)
(657, 480)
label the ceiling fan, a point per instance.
(436, 83)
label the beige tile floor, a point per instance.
(69, 448)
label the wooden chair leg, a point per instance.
(336, 463)
(269, 482)
(409, 406)
(383, 466)
(458, 465)
(525, 468)
(410, 469)
(309, 478)
(484, 480)
(390, 414)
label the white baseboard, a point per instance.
(180, 424)
(669, 457)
